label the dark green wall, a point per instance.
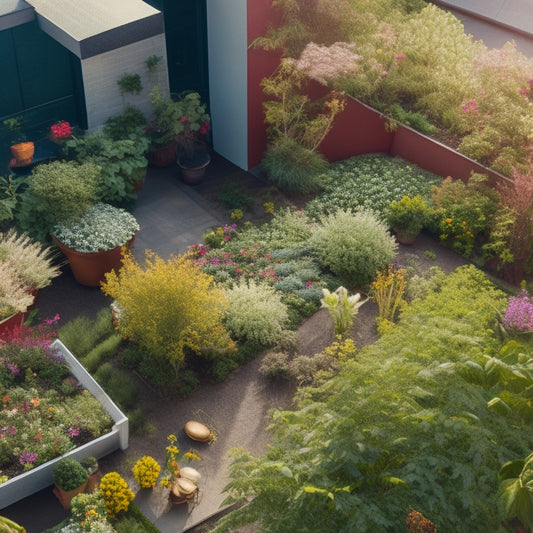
(41, 82)
(186, 36)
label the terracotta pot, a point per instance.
(89, 269)
(23, 152)
(94, 481)
(193, 168)
(402, 239)
(65, 496)
(162, 155)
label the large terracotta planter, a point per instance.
(89, 269)
(162, 155)
(65, 496)
(23, 152)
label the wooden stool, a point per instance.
(183, 490)
(197, 431)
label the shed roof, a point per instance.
(15, 12)
(91, 27)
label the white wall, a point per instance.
(227, 45)
(100, 74)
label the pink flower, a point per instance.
(183, 119)
(523, 91)
(400, 56)
(384, 73)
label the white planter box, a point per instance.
(41, 476)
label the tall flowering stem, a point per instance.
(342, 308)
(387, 291)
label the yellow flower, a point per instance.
(448, 221)
(379, 51)
(172, 438)
(463, 223)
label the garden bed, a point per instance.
(42, 476)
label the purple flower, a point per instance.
(400, 56)
(519, 315)
(27, 458)
(74, 432)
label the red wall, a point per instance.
(359, 129)
(261, 64)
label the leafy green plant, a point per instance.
(127, 125)
(10, 196)
(130, 83)
(293, 167)
(397, 428)
(57, 191)
(152, 62)
(408, 215)
(413, 119)
(516, 490)
(101, 353)
(120, 162)
(69, 474)
(235, 198)
(353, 246)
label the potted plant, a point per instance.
(182, 123)
(93, 243)
(70, 478)
(26, 266)
(21, 149)
(407, 218)
(91, 465)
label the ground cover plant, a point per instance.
(408, 423)
(372, 181)
(45, 412)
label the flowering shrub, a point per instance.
(61, 130)
(519, 314)
(116, 493)
(387, 291)
(169, 308)
(146, 472)
(465, 212)
(342, 308)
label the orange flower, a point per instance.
(35, 402)
(5, 399)
(448, 221)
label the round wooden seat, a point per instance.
(197, 431)
(183, 490)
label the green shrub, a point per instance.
(275, 365)
(101, 353)
(294, 168)
(69, 474)
(235, 198)
(57, 191)
(353, 246)
(121, 386)
(82, 334)
(413, 119)
(255, 313)
(126, 125)
(464, 213)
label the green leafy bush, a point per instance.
(69, 474)
(293, 167)
(255, 313)
(57, 191)
(354, 246)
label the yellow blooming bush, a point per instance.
(387, 291)
(116, 493)
(146, 472)
(170, 308)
